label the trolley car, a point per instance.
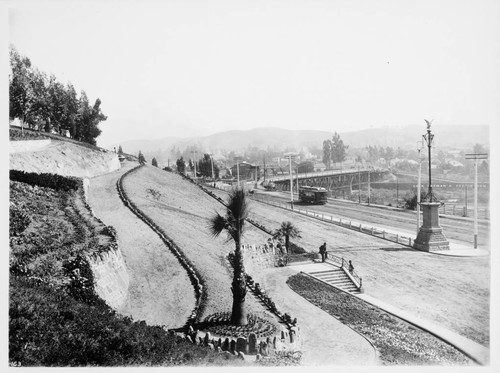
(312, 195)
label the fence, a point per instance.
(458, 210)
(373, 231)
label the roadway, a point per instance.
(460, 230)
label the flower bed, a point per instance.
(397, 342)
(220, 325)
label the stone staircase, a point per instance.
(338, 278)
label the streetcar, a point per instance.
(312, 195)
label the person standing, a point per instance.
(322, 251)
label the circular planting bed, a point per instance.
(220, 324)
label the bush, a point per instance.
(47, 180)
(49, 328)
(18, 222)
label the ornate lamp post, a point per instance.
(428, 139)
(430, 236)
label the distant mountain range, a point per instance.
(460, 136)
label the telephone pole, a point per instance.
(475, 157)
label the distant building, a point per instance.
(247, 170)
(454, 163)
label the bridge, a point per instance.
(331, 180)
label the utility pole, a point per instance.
(297, 179)
(475, 157)
(238, 171)
(368, 185)
(397, 191)
(212, 164)
(420, 145)
(465, 215)
(264, 169)
(290, 156)
(194, 163)
(359, 186)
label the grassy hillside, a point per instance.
(55, 317)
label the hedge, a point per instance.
(52, 181)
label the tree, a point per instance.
(141, 158)
(154, 162)
(388, 153)
(327, 153)
(411, 201)
(306, 166)
(478, 149)
(233, 223)
(191, 165)
(339, 150)
(287, 230)
(204, 167)
(181, 165)
(43, 103)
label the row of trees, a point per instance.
(203, 167)
(334, 150)
(43, 103)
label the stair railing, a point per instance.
(344, 265)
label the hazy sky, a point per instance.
(183, 68)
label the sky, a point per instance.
(187, 68)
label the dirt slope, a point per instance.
(64, 158)
(159, 292)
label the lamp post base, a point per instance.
(431, 236)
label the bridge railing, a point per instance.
(318, 173)
(345, 223)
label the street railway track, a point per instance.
(456, 229)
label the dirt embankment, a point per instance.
(63, 158)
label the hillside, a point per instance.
(280, 138)
(61, 157)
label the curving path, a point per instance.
(325, 340)
(160, 292)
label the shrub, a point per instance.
(18, 222)
(47, 180)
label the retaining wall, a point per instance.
(288, 340)
(111, 279)
(259, 257)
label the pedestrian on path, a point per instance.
(351, 267)
(322, 251)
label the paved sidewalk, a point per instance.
(324, 339)
(472, 349)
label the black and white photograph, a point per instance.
(303, 184)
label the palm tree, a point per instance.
(287, 230)
(233, 223)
